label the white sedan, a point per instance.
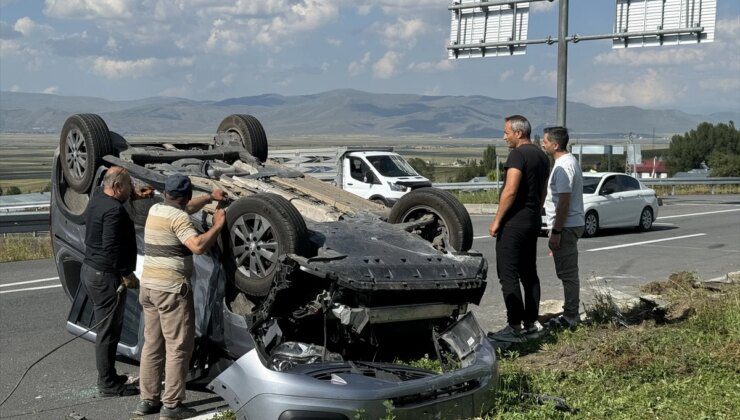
(613, 200)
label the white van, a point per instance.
(373, 173)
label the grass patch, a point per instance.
(24, 247)
(664, 190)
(683, 370)
(477, 197)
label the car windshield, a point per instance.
(590, 183)
(391, 165)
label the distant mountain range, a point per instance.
(341, 112)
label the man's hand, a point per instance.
(494, 227)
(219, 195)
(554, 242)
(130, 281)
(219, 218)
(139, 193)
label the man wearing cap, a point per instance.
(166, 296)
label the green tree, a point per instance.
(423, 168)
(713, 144)
(13, 191)
(489, 159)
(724, 164)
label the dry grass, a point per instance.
(24, 247)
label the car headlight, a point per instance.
(397, 187)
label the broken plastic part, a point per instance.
(290, 354)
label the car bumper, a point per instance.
(254, 391)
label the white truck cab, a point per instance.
(373, 173)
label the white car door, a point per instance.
(356, 173)
(611, 204)
(633, 202)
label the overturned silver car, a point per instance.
(314, 297)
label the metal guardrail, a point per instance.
(646, 181)
(25, 222)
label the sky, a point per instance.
(216, 49)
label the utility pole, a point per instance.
(562, 62)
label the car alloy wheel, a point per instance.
(76, 154)
(254, 245)
(592, 224)
(646, 219)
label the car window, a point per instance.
(590, 183)
(611, 185)
(627, 183)
(357, 169)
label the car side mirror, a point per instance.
(368, 178)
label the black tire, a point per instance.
(450, 216)
(591, 226)
(250, 131)
(84, 141)
(71, 203)
(646, 220)
(287, 230)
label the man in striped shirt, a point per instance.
(166, 295)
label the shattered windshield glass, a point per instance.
(392, 165)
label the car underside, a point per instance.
(314, 296)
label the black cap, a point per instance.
(178, 186)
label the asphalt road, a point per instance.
(700, 234)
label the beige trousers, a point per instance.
(169, 334)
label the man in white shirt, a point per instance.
(565, 218)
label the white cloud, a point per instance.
(387, 66)
(228, 80)
(505, 75)
(53, 90)
(433, 66)
(721, 84)
(358, 67)
(402, 33)
(9, 47)
(90, 9)
(542, 76)
(542, 6)
(15, 88)
(334, 42)
(134, 69)
(664, 56)
(28, 27)
(649, 89)
(433, 91)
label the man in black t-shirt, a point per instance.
(516, 227)
(110, 259)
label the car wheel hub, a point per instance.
(75, 153)
(435, 232)
(254, 245)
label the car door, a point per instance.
(632, 196)
(611, 204)
(356, 174)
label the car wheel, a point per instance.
(250, 132)
(259, 229)
(592, 224)
(84, 141)
(646, 220)
(451, 230)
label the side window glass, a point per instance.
(610, 186)
(356, 168)
(628, 183)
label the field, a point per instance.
(25, 159)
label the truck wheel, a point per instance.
(250, 132)
(259, 229)
(84, 141)
(451, 229)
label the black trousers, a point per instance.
(101, 288)
(516, 266)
